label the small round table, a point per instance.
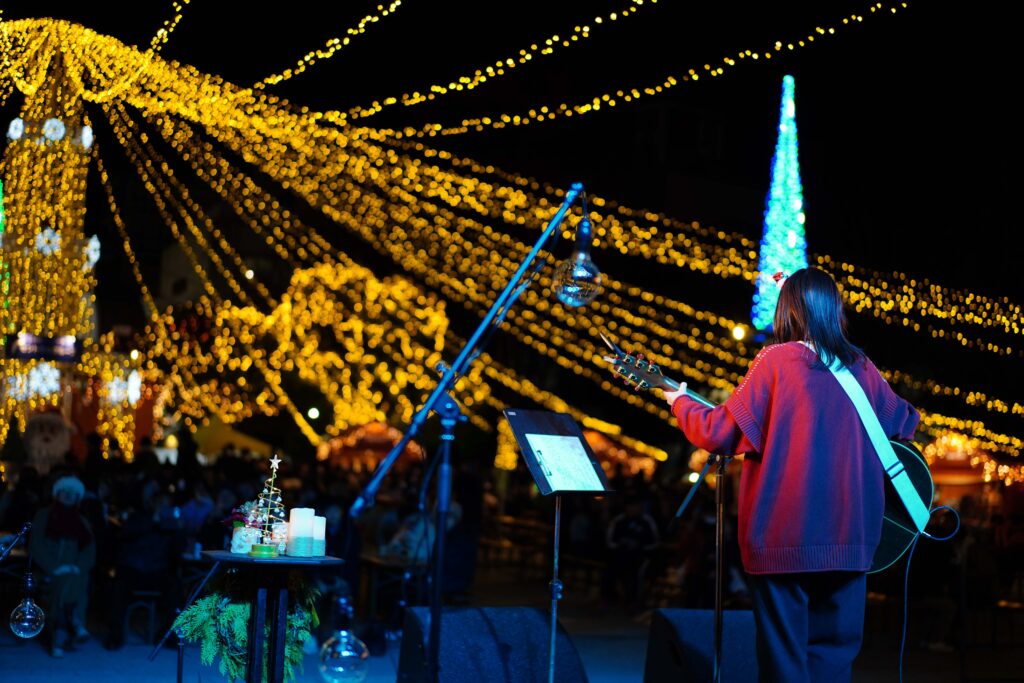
(272, 588)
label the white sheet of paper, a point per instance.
(564, 462)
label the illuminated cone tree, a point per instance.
(783, 245)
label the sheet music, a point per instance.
(564, 462)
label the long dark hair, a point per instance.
(810, 309)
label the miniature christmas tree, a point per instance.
(268, 511)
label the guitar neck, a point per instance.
(672, 385)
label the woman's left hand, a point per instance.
(671, 396)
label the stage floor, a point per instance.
(612, 646)
(612, 652)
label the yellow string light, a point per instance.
(971, 397)
(610, 99)
(327, 166)
(331, 48)
(895, 298)
(489, 73)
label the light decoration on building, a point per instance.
(41, 381)
(48, 262)
(48, 242)
(28, 387)
(783, 242)
(955, 446)
(54, 130)
(48, 288)
(92, 252)
(15, 129)
(117, 384)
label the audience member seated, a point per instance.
(142, 564)
(63, 546)
(632, 538)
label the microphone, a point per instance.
(577, 281)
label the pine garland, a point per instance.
(219, 622)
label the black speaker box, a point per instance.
(488, 645)
(681, 647)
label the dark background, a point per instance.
(908, 141)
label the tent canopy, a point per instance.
(213, 437)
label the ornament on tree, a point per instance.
(269, 514)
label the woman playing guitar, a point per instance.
(812, 489)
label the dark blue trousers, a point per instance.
(809, 625)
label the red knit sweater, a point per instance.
(811, 489)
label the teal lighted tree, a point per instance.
(783, 244)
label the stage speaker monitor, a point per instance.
(488, 645)
(681, 646)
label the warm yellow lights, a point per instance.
(331, 48)
(367, 344)
(488, 73)
(566, 109)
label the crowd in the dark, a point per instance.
(106, 532)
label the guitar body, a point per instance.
(898, 531)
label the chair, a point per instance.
(145, 600)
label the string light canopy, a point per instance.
(452, 226)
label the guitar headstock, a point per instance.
(635, 370)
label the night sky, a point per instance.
(908, 143)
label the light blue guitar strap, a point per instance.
(919, 513)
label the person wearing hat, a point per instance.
(64, 547)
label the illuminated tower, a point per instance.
(783, 245)
(47, 260)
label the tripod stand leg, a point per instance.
(191, 597)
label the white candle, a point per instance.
(300, 522)
(319, 536)
(300, 532)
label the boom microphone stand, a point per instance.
(4, 552)
(441, 402)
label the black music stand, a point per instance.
(561, 462)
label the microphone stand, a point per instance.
(721, 463)
(17, 539)
(441, 402)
